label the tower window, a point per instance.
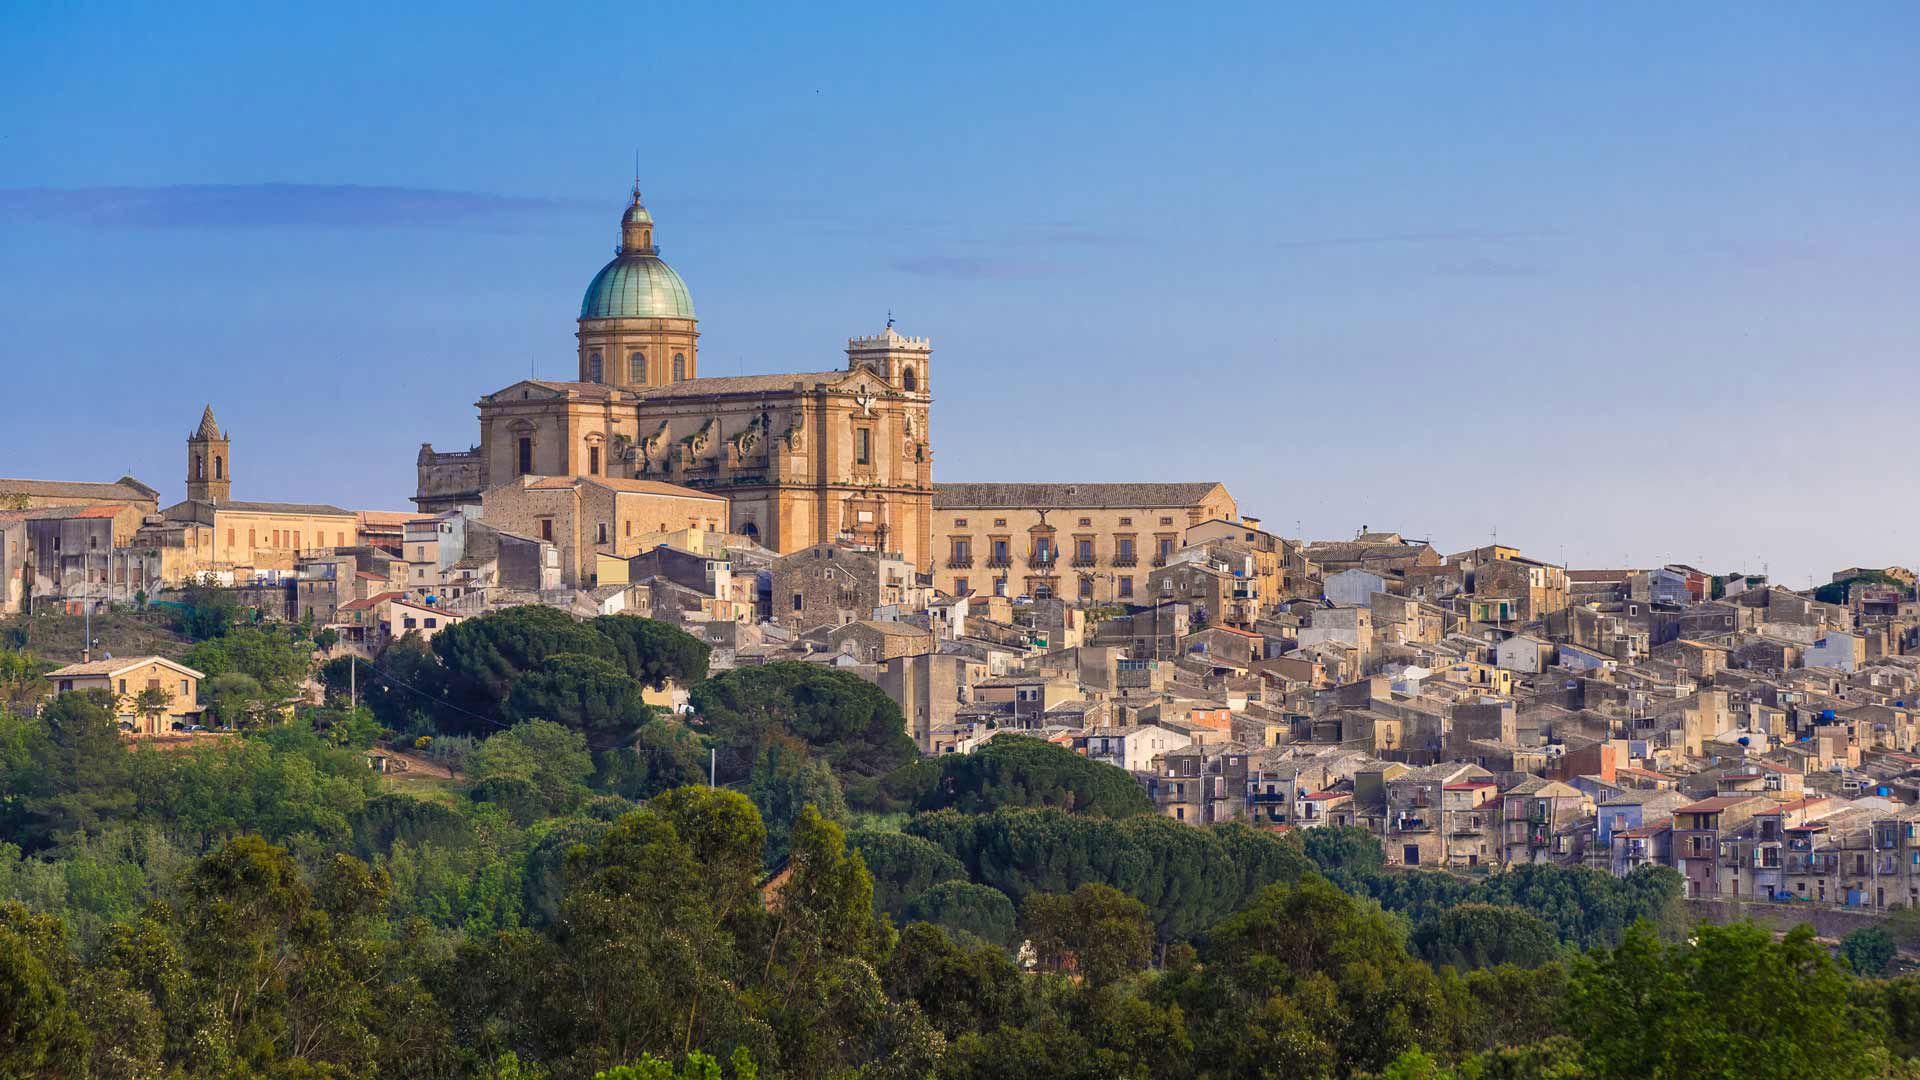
(637, 368)
(219, 467)
(199, 467)
(679, 366)
(593, 460)
(526, 455)
(909, 379)
(862, 446)
(593, 367)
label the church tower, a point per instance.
(209, 467)
(637, 327)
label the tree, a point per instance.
(236, 700)
(783, 782)
(1349, 857)
(1730, 1001)
(847, 720)
(484, 657)
(151, 702)
(1016, 770)
(583, 693)
(206, 610)
(1102, 930)
(1485, 935)
(653, 651)
(903, 867)
(962, 906)
(552, 759)
(276, 657)
(1189, 878)
(665, 754)
(41, 1035)
(70, 774)
(1868, 950)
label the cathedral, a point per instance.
(803, 458)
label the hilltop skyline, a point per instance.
(1388, 269)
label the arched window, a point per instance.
(593, 367)
(219, 467)
(199, 467)
(679, 366)
(637, 368)
(909, 380)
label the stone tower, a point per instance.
(209, 466)
(637, 328)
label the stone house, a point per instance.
(126, 679)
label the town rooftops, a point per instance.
(1068, 496)
(111, 667)
(1714, 805)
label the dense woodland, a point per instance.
(577, 902)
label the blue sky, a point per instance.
(1624, 283)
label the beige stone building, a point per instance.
(588, 516)
(125, 679)
(1077, 542)
(209, 532)
(802, 458)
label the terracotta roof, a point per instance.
(111, 667)
(371, 601)
(987, 496)
(389, 517)
(65, 513)
(126, 488)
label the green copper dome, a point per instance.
(637, 286)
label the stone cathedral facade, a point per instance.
(802, 457)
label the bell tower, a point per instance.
(209, 464)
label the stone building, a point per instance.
(802, 458)
(588, 516)
(829, 584)
(1087, 542)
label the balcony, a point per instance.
(1159, 560)
(1085, 560)
(1041, 561)
(998, 562)
(960, 562)
(1125, 560)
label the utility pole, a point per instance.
(353, 680)
(713, 766)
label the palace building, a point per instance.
(801, 458)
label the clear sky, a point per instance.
(1622, 283)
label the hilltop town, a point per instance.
(1473, 710)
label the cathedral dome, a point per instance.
(637, 287)
(637, 284)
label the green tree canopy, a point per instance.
(1017, 770)
(1730, 1001)
(979, 910)
(1485, 935)
(653, 651)
(845, 719)
(483, 657)
(584, 694)
(903, 867)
